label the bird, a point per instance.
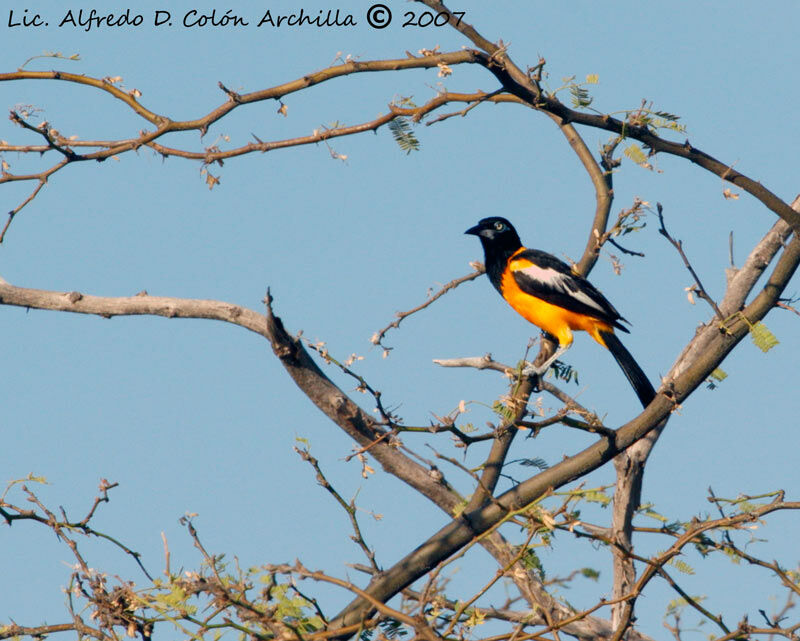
(545, 291)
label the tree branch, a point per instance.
(380, 334)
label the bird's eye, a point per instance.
(499, 226)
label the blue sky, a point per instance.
(196, 416)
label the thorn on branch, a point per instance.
(235, 97)
(787, 305)
(535, 72)
(11, 215)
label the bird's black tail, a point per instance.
(641, 385)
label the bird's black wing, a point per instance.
(546, 277)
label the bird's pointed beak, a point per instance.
(474, 231)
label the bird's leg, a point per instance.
(532, 369)
(555, 344)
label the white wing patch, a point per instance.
(560, 282)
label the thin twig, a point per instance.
(380, 334)
(701, 292)
(630, 252)
(350, 507)
(466, 109)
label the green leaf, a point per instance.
(593, 496)
(476, 618)
(392, 628)
(715, 377)
(539, 463)
(733, 555)
(763, 338)
(660, 123)
(531, 561)
(666, 115)
(502, 410)
(646, 510)
(580, 96)
(590, 573)
(459, 507)
(746, 506)
(565, 372)
(405, 101)
(681, 566)
(635, 153)
(676, 605)
(654, 515)
(403, 135)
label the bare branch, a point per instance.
(350, 507)
(478, 362)
(10, 513)
(377, 338)
(677, 244)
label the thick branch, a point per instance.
(139, 305)
(604, 195)
(14, 631)
(350, 417)
(493, 465)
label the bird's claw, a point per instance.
(533, 372)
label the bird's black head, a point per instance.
(497, 233)
(499, 240)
